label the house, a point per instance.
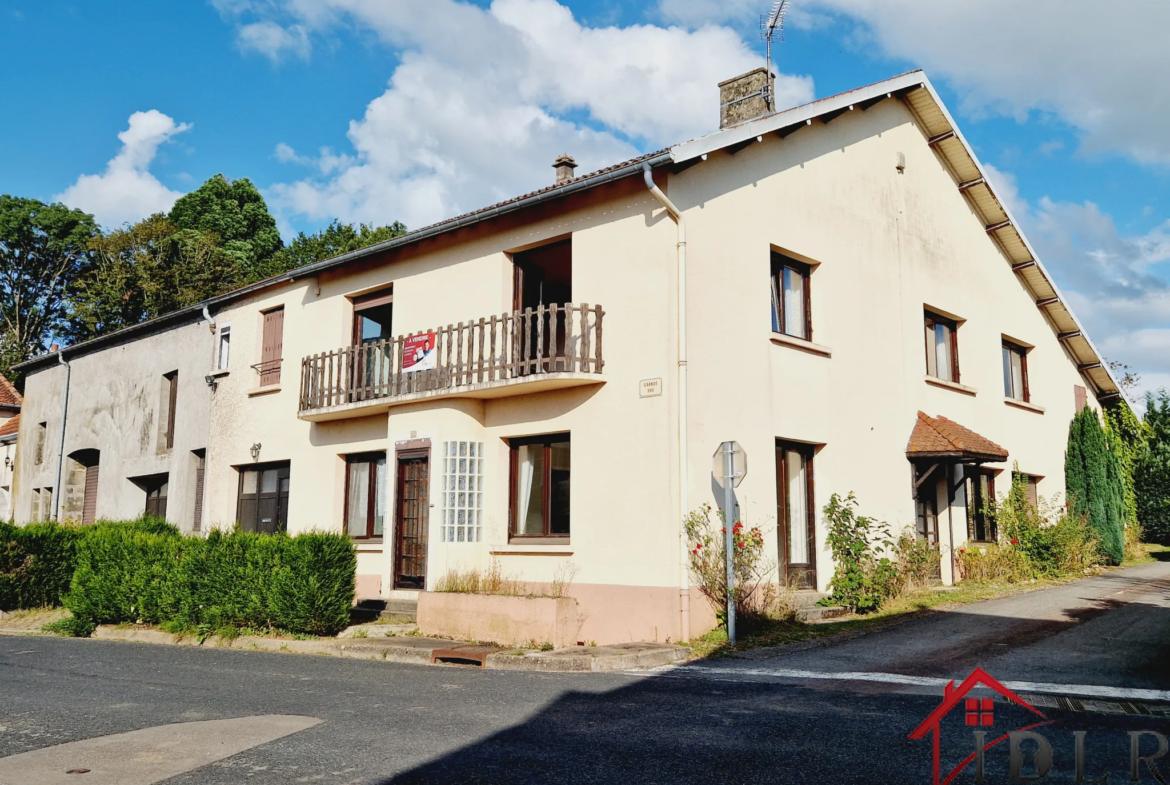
(541, 383)
(120, 422)
(10, 401)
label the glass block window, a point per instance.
(462, 494)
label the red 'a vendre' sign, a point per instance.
(418, 352)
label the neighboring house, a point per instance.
(543, 382)
(10, 402)
(135, 428)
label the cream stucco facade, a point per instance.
(866, 201)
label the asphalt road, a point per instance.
(728, 720)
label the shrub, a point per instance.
(70, 627)
(991, 563)
(918, 560)
(1152, 471)
(1094, 483)
(302, 584)
(864, 577)
(1051, 541)
(706, 538)
(36, 564)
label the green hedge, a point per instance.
(302, 584)
(36, 564)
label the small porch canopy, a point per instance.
(943, 440)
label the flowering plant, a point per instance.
(706, 538)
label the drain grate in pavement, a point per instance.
(1094, 706)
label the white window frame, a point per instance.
(222, 363)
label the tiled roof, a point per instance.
(10, 426)
(8, 394)
(938, 437)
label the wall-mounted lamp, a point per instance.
(7, 461)
(255, 451)
(211, 382)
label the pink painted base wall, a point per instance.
(620, 614)
(369, 586)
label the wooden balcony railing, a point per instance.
(528, 343)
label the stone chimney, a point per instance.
(564, 166)
(744, 98)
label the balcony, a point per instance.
(547, 348)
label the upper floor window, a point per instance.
(942, 347)
(540, 486)
(170, 399)
(791, 313)
(223, 352)
(1015, 372)
(39, 443)
(373, 317)
(272, 348)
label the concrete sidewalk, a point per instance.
(419, 650)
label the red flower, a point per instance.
(697, 546)
(1015, 542)
(742, 544)
(725, 531)
(695, 552)
(962, 550)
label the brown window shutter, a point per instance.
(89, 500)
(199, 470)
(1033, 496)
(1081, 395)
(271, 354)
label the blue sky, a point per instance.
(382, 110)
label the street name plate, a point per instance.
(648, 388)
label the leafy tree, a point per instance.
(1093, 483)
(1152, 477)
(44, 248)
(237, 215)
(1127, 438)
(334, 240)
(146, 270)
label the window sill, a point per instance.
(272, 388)
(783, 339)
(364, 546)
(220, 373)
(1031, 407)
(961, 388)
(543, 546)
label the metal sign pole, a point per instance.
(729, 537)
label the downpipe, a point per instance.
(61, 444)
(683, 497)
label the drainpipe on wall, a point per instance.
(61, 446)
(683, 498)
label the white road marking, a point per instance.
(726, 674)
(149, 755)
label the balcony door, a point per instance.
(542, 277)
(373, 324)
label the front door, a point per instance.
(796, 513)
(410, 520)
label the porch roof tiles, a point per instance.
(938, 437)
(9, 397)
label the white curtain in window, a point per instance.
(530, 470)
(797, 509)
(359, 498)
(942, 352)
(379, 496)
(793, 303)
(1017, 375)
(1008, 387)
(775, 306)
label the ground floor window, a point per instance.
(365, 494)
(263, 498)
(1031, 488)
(981, 505)
(540, 468)
(796, 511)
(462, 492)
(156, 495)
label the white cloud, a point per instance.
(1108, 277)
(484, 99)
(1094, 65)
(127, 191)
(274, 41)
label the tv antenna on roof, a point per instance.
(771, 29)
